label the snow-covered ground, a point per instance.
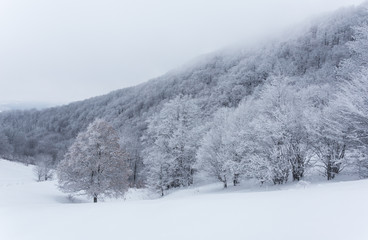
(37, 210)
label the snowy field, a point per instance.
(37, 210)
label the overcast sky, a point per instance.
(60, 51)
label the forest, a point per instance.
(273, 113)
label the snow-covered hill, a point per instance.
(308, 56)
(37, 210)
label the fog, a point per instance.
(62, 51)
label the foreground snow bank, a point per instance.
(32, 210)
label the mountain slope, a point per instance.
(220, 80)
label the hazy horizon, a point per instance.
(64, 51)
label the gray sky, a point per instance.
(60, 51)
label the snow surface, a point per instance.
(37, 210)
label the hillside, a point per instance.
(221, 80)
(36, 210)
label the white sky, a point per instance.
(58, 51)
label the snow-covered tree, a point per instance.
(351, 100)
(95, 165)
(327, 136)
(216, 152)
(173, 138)
(264, 138)
(131, 144)
(281, 129)
(5, 147)
(43, 168)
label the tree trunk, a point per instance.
(135, 173)
(94, 199)
(236, 179)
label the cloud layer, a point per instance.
(63, 50)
